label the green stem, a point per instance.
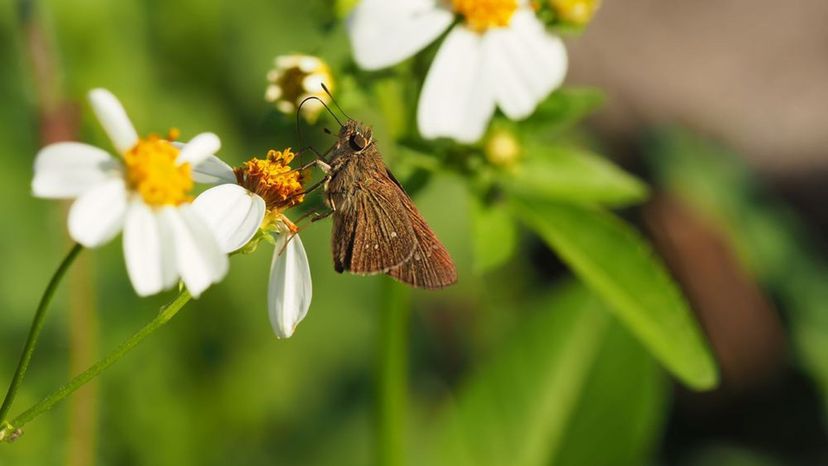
(393, 374)
(167, 313)
(35, 329)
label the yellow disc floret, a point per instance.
(273, 180)
(481, 15)
(153, 172)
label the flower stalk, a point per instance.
(392, 376)
(35, 329)
(11, 429)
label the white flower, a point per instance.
(145, 192)
(296, 77)
(500, 55)
(236, 212)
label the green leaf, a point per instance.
(518, 410)
(569, 174)
(564, 108)
(615, 261)
(494, 235)
(622, 408)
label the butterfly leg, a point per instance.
(319, 156)
(294, 227)
(314, 216)
(315, 162)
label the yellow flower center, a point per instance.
(481, 15)
(273, 180)
(153, 172)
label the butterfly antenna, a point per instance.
(299, 123)
(327, 91)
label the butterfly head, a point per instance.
(357, 136)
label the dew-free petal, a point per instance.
(384, 33)
(199, 260)
(147, 250)
(289, 289)
(232, 213)
(457, 99)
(527, 63)
(98, 215)
(199, 149)
(213, 170)
(65, 170)
(114, 120)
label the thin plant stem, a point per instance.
(392, 376)
(35, 329)
(167, 313)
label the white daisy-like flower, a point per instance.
(498, 55)
(144, 192)
(296, 77)
(253, 197)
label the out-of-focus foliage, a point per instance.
(543, 399)
(616, 262)
(770, 239)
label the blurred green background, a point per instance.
(214, 387)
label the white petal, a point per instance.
(67, 169)
(457, 99)
(213, 170)
(199, 149)
(197, 255)
(384, 32)
(233, 214)
(527, 63)
(114, 119)
(148, 250)
(98, 215)
(289, 289)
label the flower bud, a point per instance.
(502, 148)
(577, 12)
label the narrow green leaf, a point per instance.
(515, 410)
(616, 262)
(494, 235)
(569, 174)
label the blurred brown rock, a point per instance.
(752, 73)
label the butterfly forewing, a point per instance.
(430, 266)
(371, 235)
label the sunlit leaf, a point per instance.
(569, 174)
(616, 262)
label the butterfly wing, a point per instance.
(430, 266)
(371, 234)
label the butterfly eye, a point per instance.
(357, 142)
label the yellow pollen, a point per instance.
(481, 15)
(273, 180)
(152, 171)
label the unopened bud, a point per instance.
(502, 148)
(578, 12)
